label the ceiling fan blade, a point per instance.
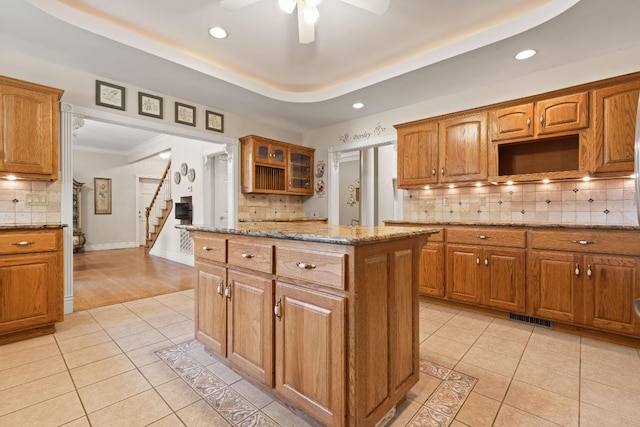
(374, 6)
(236, 4)
(306, 31)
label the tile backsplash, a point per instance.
(14, 208)
(599, 201)
(269, 206)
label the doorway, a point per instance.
(146, 190)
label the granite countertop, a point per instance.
(314, 232)
(514, 224)
(31, 226)
(283, 220)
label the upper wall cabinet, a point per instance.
(29, 119)
(433, 152)
(274, 167)
(542, 118)
(615, 110)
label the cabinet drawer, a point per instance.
(588, 241)
(251, 255)
(210, 248)
(25, 241)
(487, 236)
(323, 268)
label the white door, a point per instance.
(146, 189)
(220, 188)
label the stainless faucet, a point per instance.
(355, 221)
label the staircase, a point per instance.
(158, 210)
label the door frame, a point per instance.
(139, 208)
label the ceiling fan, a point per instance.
(308, 12)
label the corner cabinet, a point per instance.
(31, 283)
(274, 167)
(78, 236)
(29, 119)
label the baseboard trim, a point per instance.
(110, 246)
(186, 259)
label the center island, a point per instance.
(325, 315)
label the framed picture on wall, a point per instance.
(149, 105)
(110, 95)
(215, 121)
(102, 196)
(185, 114)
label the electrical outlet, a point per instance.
(483, 201)
(36, 199)
(445, 201)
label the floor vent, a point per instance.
(532, 320)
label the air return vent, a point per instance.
(532, 320)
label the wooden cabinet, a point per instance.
(31, 283)
(78, 236)
(544, 117)
(487, 267)
(615, 111)
(463, 148)
(417, 155)
(310, 348)
(211, 307)
(587, 277)
(30, 120)
(453, 150)
(432, 274)
(273, 167)
(300, 179)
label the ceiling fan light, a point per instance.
(288, 5)
(311, 15)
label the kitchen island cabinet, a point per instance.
(343, 312)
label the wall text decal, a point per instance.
(362, 136)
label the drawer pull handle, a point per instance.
(583, 242)
(277, 309)
(433, 171)
(247, 255)
(541, 120)
(207, 248)
(578, 270)
(305, 266)
(220, 286)
(227, 291)
(486, 260)
(478, 260)
(529, 122)
(589, 272)
(24, 243)
(482, 237)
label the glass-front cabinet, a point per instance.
(78, 235)
(300, 170)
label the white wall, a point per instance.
(118, 229)
(590, 69)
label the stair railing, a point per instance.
(154, 210)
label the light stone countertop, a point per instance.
(512, 224)
(321, 233)
(9, 227)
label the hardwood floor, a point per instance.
(108, 277)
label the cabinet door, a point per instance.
(463, 148)
(554, 289)
(300, 180)
(31, 291)
(564, 113)
(269, 152)
(211, 308)
(512, 122)
(29, 137)
(432, 270)
(463, 273)
(504, 279)
(250, 327)
(310, 352)
(418, 155)
(611, 286)
(615, 126)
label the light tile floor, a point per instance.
(113, 366)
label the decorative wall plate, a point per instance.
(319, 186)
(320, 167)
(177, 177)
(191, 175)
(184, 168)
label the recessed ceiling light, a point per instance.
(218, 33)
(165, 155)
(358, 105)
(525, 54)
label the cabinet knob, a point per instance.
(589, 272)
(433, 171)
(305, 266)
(277, 309)
(478, 260)
(528, 121)
(220, 286)
(486, 260)
(542, 120)
(577, 269)
(442, 171)
(227, 291)
(247, 255)
(24, 243)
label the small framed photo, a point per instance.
(149, 105)
(110, 95)
(215, 121)
(102, 196)
(185, 114)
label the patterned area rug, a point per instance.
(440, 408)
